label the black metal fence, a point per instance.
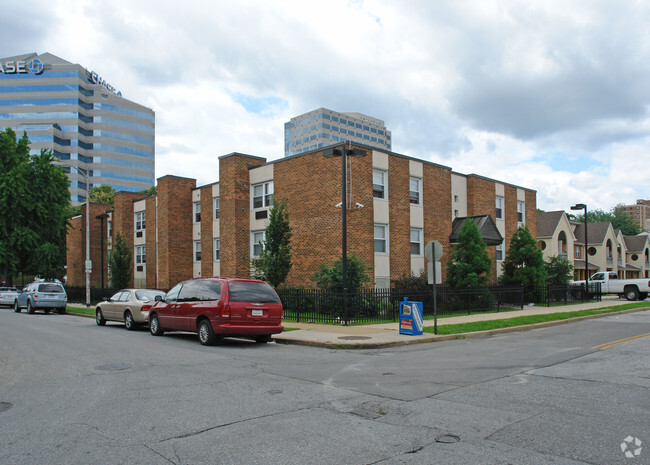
(382, 305)
(78, 294)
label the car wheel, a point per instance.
(129, 323)
(263, 339)
(99, 317)
(16, 307)
(154, 325)
(631, 293)
(206, 335)
(30, 308)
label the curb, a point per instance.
(446, 337)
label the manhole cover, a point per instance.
(355, 338)
(448, 438)
(114, 366)
(5, 406)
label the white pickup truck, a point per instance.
(632, 289)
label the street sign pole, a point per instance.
(433, 253)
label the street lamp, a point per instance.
(344, 153)
(101, 246)
(582, 206)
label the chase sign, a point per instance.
(34, 66)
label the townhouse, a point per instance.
(396, 204)
(607, 249)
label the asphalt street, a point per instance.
(75, 393)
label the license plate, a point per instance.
(258, 312)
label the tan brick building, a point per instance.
(396, 204)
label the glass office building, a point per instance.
(323, 127)
(99, 136)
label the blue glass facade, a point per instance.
(90, 127)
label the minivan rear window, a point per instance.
(50, 288)
(251, 292)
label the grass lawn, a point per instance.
(526, 320)
(81, 309)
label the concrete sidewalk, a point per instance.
(387, 335)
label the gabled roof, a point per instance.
(635, 243)
(547, 223)
(597, 232)
(486, 226)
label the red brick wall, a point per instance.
(312, 186)
(123, 219)
(436, 195)
(76, 247)
(174, 230)
(207, 243)
(234, 195)
(150, 242)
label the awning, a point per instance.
(486, 226)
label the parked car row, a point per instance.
(212, 308)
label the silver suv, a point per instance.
(42, 295)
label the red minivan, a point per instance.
(218, 307)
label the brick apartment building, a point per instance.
(396, 204)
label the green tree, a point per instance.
(153, 190)
(559, 270)
(330, 277)
(469, 264)
(413, 282)
(274, 262)
(119, 262)
(34, 209)
(49, 216)
(524, 263)
(102, 194)
(619, 220)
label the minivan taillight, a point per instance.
(225, 311)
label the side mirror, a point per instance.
(158, 298)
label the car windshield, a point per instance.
(50, 288)
(251, 292)
(147, 294)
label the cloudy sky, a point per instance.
(550, 95)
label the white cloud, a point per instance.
(550, 95)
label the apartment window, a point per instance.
(379, 184)
(257, 242)
(416, 241)
(381, 238)
(215, 202)
(140, 254)
(109, 226)
(197, 251)
(415, 190)
(456, 213)
(521, 207)
(499, 205)
(263, 195)
(197, 212)
(217, 249)
(578, 249)
(455, 199)
(139, 221)
(500, 252)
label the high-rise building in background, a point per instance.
(323, 127)
(99, 136)
(639, 212)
